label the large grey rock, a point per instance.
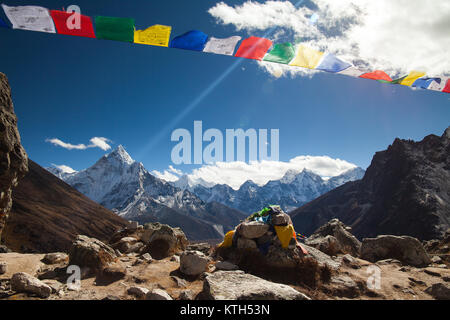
(334, 237)
(244, 243)
(158, 294)
(55, 257)
(23, 282)
(439, 291)
(13, 158)
(139, 292)
(407, 249)
(91, 253)
(237, 285)
(193, 263)
(252, 229)
(3, 267)
(162, 240)
(322, 258)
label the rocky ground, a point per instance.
(156, 262)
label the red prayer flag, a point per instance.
(447, 87)
(376, 75)
(63, 24)
(254, 48)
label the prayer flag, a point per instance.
(281, 53)
(193, 40)
(157, 35)
(331, 63)
(32, 18)
(307, 58)
(111, 28)
(222, 46)
(254, 48)
(73, 24)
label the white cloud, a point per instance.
(96, 142)
(236, 173)
(64, 168)
(395, 36)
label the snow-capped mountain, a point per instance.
(61, 172)
(292, 191)
(123, 185)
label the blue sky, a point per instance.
(77, 88)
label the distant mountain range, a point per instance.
(405, 191)
(123, 185)
(290, 192)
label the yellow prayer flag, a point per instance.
(285, 234)
(157, 35)
(411, 78)
(307, 58)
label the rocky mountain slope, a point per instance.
(47, 214)
(405, 191)
(290, 192)
(123, 185)
(13, 158)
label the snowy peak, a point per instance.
(62, 172)
(120, 155)
(289, 176)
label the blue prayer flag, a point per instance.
(424, 83)
(193, 40)
(331, 63)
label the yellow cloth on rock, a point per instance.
(228, 240)
(285, 234)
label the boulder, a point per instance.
(187, 295)
(55, 285)
(202, 247)
(23, 282)
(344, 286)
(244, 243)
(193, 263)
(3, 267)
(406, 249)
(252, 229)
(334, 237)
(237, 285)
(90, 253)
(226, 266)
(281, 219)
(162, 240)
(55, 258)
(139, 292)
(147, 257)
(439, 291)
(328, 244)
(322, 258)
(158, 294)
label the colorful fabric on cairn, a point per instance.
(32, 18)
(254, 48)
(281, 53)
(66, 23)
(222, 46)
(156, 35)
(307, 58)
(111, 28)
(192, 40)
(376, 75)
(330, 63)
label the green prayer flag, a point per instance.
(396, 81)
(118, 29)
(281, 53)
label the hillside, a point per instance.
(47, 214)
(405, 191)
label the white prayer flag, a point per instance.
(438, 86)
(352, 72)
(222, 46)
(31, 18)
